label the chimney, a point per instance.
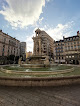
(63, 37)
(78, 33)
(0, 30)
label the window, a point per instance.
(65, 48)
(71, 47)
(74, 42)
(78, 46)
(66, 56)
(76, 56)
(4, 39)
(3, 46)
(71, 43)
(3, 49)
(73, 38)
(56, 48)
(77, 42)
(75, 47)
(9, 41)
(69, 56)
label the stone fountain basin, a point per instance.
(37, 72)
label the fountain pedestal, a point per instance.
(38, 60)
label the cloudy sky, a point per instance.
(20, 18)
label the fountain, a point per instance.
(46, 71)
(39, 69)
(42, 52)
(41, 62)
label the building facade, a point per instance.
(23, 50)
(43, 44)
(59, 56)
(72, 49)
(9, 45)
(9, 48)
(28, 54)
(67, 50)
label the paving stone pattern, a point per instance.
(40, 96)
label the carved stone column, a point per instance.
(39, 47)
(34, 51)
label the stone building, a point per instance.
(59, 56)
(67, 50)
(72, 49)
(28, 54)
(8, 46)
(43, 44)
(23, 50)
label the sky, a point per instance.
(20, 18)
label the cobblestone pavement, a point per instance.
(40, 96)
